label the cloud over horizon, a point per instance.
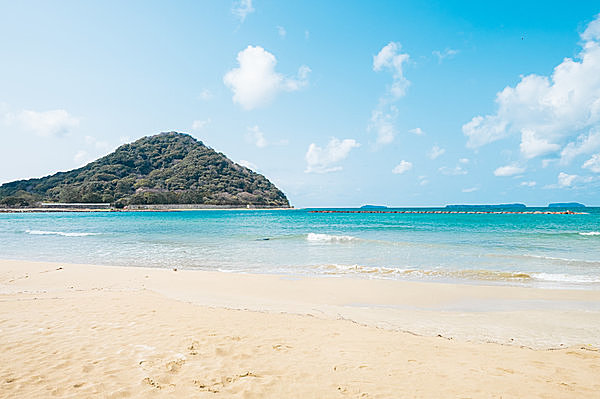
(555, 115)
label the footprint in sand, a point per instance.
(193, 348)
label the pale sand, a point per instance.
(91, 331)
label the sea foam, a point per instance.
(59, 233)
(591, 233)
(318, 237)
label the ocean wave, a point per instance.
(59, 233)
(590, 233)
(318, 237)
(565, 278)
(387, 272)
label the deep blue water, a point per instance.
(538, 250)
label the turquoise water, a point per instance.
(535, 250)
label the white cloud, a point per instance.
(281, 31)
(593, 163)
(566, 180)
(447, 53)
(547, 112)
(457, 170)
(383, 124)
(390, 58)
(242, 8)
(205, 95)
(200, 124)
(257, 137)
(436, 151)
(384, 116)
(592, 32)
(585, 144)
(464, 161)
(324, 160)
(508, 170)
(418, 131)
(57, 122)
(470, 189)
(402, 167)
(528, 183)
(248, 164)
(255, 83)
(532, 146)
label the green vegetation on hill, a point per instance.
(168, 168)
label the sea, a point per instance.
(535, 250)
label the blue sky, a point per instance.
(338, 103)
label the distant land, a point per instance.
(167, 168)
(373, 207)
(566, 205)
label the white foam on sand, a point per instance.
(318, 237)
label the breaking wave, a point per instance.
(317, 237)
(59, 233)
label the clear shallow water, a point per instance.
(535, 250)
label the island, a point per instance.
(165, 169)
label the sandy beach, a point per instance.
(105, 331)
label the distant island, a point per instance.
(566, 205)
(168, 168)
(491, 206)
(373, 207)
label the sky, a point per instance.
(399, 103)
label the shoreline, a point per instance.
(111, 331)
(537, 318)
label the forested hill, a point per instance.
(168, 168)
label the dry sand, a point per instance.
(96, 331)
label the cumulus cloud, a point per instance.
(436, 151)
(593, 163)
(532, 146)
(255, 82)
(508, 170)
(383, 117)
(566, 180)
(324, 160)
(585, 144)
(255, 136)
(548, 112)
(418, 131)
(242, 8)
(390, 58)
(528, 183)
(402, 167)
(200, 124)
(447, 53)
(382, 122)
(455, 171)
(56, 123)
